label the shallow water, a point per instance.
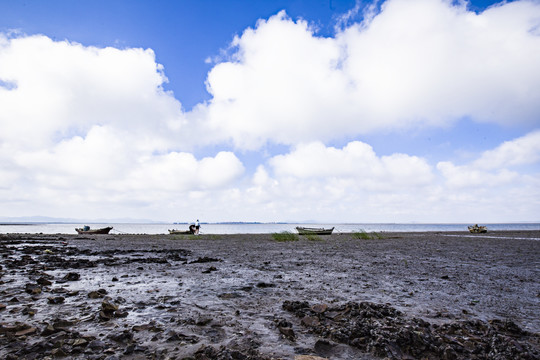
(153, 229)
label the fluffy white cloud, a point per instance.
(61, 89)
(524, 150)
(495, 168)
(356, 161)
(84, 125)
(417, 62)
(355, 184)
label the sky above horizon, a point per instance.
(326, 110)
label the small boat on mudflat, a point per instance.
(192, 230)
(87, 230)
(313, 231)
(477, 229)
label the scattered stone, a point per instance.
(26, 331)
(124, 337)
(43, 281)
(97, 294)
(108, 307)
(263, 285)
(97, 345)
(56, 300)
(28, 311)
(227, 296)
(385, 332)
(33, 289)
(205, 259)
(310, 321)
(319, 308)
(72, 276)
(209, 270)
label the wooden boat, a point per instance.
(87, 230)
(477, 229)
(192, 230)
(313, 231)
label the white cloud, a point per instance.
(356, 161)
(417, 62)
(355, 184)
(84, 125)
(524, 150)
(62, 89)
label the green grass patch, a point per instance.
(363, 235)
(313, 237)
(285, 236)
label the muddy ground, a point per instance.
(402, 296)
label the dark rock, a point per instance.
(324, 348)
(263, 285)
(97, 345)
(43, 281)
(209, 270)
(97, 294)
(287, 332)
(205, 259)
(124, 337)
(33, 289)
(108, 307)
(56, 300)
(72, 276)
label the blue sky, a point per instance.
(385, 111)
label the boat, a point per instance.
(87, 230)
(313, 231)
(192, 230)
(477, 229)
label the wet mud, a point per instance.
(401, 296)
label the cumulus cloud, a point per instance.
(339, 183)
(87, 125)
(355, 184)
(496, 168)
(355, 161)
(61, 89)
(522, 151)
(415, 63)
(495, 186)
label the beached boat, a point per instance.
(192, 230)
(87, 230)
(313, 231)
(477, 229)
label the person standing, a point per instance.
(197, 227)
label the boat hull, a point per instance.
(192, 230)
(314, 231)
(477, 229)
(104, 230)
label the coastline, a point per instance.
(195, 296)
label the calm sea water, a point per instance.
(64, 228)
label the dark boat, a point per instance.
(87, 230)
(477, 229)
(313, 231)
(192, 230)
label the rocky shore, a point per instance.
(395, 296)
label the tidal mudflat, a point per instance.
(396, 295)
